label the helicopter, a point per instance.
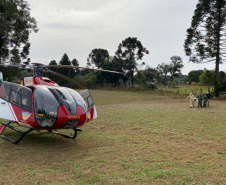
(41, 104)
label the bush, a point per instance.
(90, 80)
(152, 86)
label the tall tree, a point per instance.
(175, 67)
(129, 51)
(206, 38)
(64, 71)
(15, 26)
(164, 69)
(71, 72)
(97, 57)
(49, 75)
(75, 62)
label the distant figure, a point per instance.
(208, 96)
(191, 97)
(200, 97)
(205, 100)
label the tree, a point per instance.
(146, 77)
(65, 71)
(97, 57)
(206, 38)
(129, 51)
(222, 86)
(113, 64)
(164, 69)
(90, 80)
(175, 67)
(49, 75)
(75, 62)
(150, 74)
(10, 73)
(207, 78)
(193, 76)
(15, 26)
(222, 75)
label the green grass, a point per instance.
(138, 138)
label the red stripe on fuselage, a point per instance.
(12, 111)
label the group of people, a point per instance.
(202, 99)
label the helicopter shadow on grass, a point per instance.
(49, 142)
(46, 148)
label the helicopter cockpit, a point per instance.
(47, 100)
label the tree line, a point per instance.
(205, 42)
(167, 74)
(125, 60)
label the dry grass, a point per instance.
(138, 138)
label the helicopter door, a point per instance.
(91, 113)
(14, 94)
(6, 109)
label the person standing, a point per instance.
(200, 97)
(208, 97)
(205, 100)
(191, 97)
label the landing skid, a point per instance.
(23, 133)
(67, 136)
(8, 124)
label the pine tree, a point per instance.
(206, 38)
(129, 51)
(64, 71)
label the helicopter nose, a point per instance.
(81, 115)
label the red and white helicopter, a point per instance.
(41, 104)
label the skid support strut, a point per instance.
(67, 136)
(8, 124)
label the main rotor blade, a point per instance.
(18, 65)
(67, 66)
(66, 78)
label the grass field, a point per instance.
(138, 138)
(186, 89)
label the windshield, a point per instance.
(46, 107)
(78, 98)
(68, 99)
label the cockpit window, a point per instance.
(87, 98)
(68, 99)
(16, 94)
(46, 107)
(78, 98)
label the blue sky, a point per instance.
(76, 27)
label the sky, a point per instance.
(75, 27)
